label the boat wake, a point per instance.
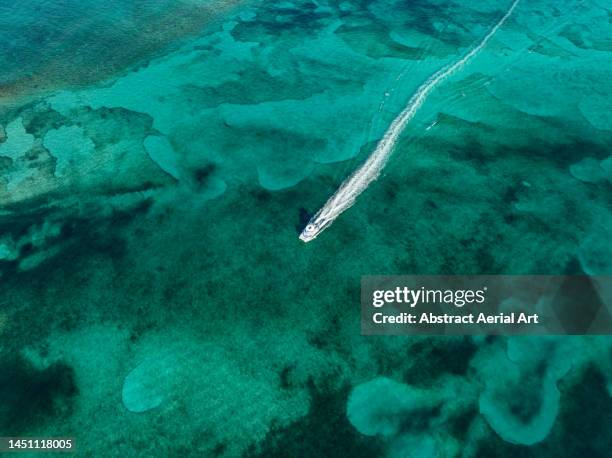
(359, 180)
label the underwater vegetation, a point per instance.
(156, 300)
(75, 42)
(32, 395)
(512, 388)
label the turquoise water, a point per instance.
(159, 160)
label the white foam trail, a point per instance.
(355, 184)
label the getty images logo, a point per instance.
(412, 297)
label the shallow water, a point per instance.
(151, 208)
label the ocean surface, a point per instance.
(158, 161)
